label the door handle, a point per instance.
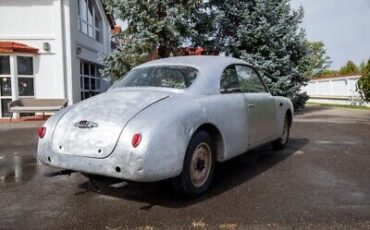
(251, 105)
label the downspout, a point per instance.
(64, 60)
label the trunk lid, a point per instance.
(93, 126)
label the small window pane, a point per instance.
(4, 108)
(96, 21)
(86, 83)
(5, 86)
(98, 84)
(97, 35)
(93, 84)
(86, 69)
(25, 86)
(83, 27)
(249, 80)
(25, 65)
(90, 32)
(86, 95)
(4, 65)
(229, 81)
(81, 83)
(92, 70)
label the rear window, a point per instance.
(177, 77)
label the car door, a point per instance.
(260, 105)
(233, 123)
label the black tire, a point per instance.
(283, 140)
(185, 183)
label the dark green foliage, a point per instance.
(300, 100)
(363, 84)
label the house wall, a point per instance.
(35, 22)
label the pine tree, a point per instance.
(265, 33)
(155, 27)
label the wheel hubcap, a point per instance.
(200, 164)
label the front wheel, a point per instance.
(198, 167)
(280, 143)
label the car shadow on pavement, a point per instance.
(227, 176)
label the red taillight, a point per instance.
(136, 140)
(41, 131)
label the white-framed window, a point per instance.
(24, 80)
(89, 21)
(90, 79)
(26, 86)
(5, 85)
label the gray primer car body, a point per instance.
(167, 119)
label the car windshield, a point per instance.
(178, 77)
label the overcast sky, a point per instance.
(343, 25)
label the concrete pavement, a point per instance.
(321, 181)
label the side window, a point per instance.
(249, 80)
(229, 81)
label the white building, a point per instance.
(50, 49)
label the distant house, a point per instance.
(50, 49)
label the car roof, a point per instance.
(194, 61)
(210, 69)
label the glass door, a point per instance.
(5, 86)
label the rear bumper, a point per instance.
(128, 166)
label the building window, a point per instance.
(4, 65)
(4, 105)
(24, 65)
(25, 76)
(5, 86)
(25, 87)
(90, 80)
(88, 19)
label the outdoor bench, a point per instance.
(36, 106)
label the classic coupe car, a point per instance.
(168, 118)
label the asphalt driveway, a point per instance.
(321, 181)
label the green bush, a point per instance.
(363, 84)
(300, 100)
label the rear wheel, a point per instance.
(198, 168)
(280, 143)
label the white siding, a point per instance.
(35, 22)
(27, 18)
